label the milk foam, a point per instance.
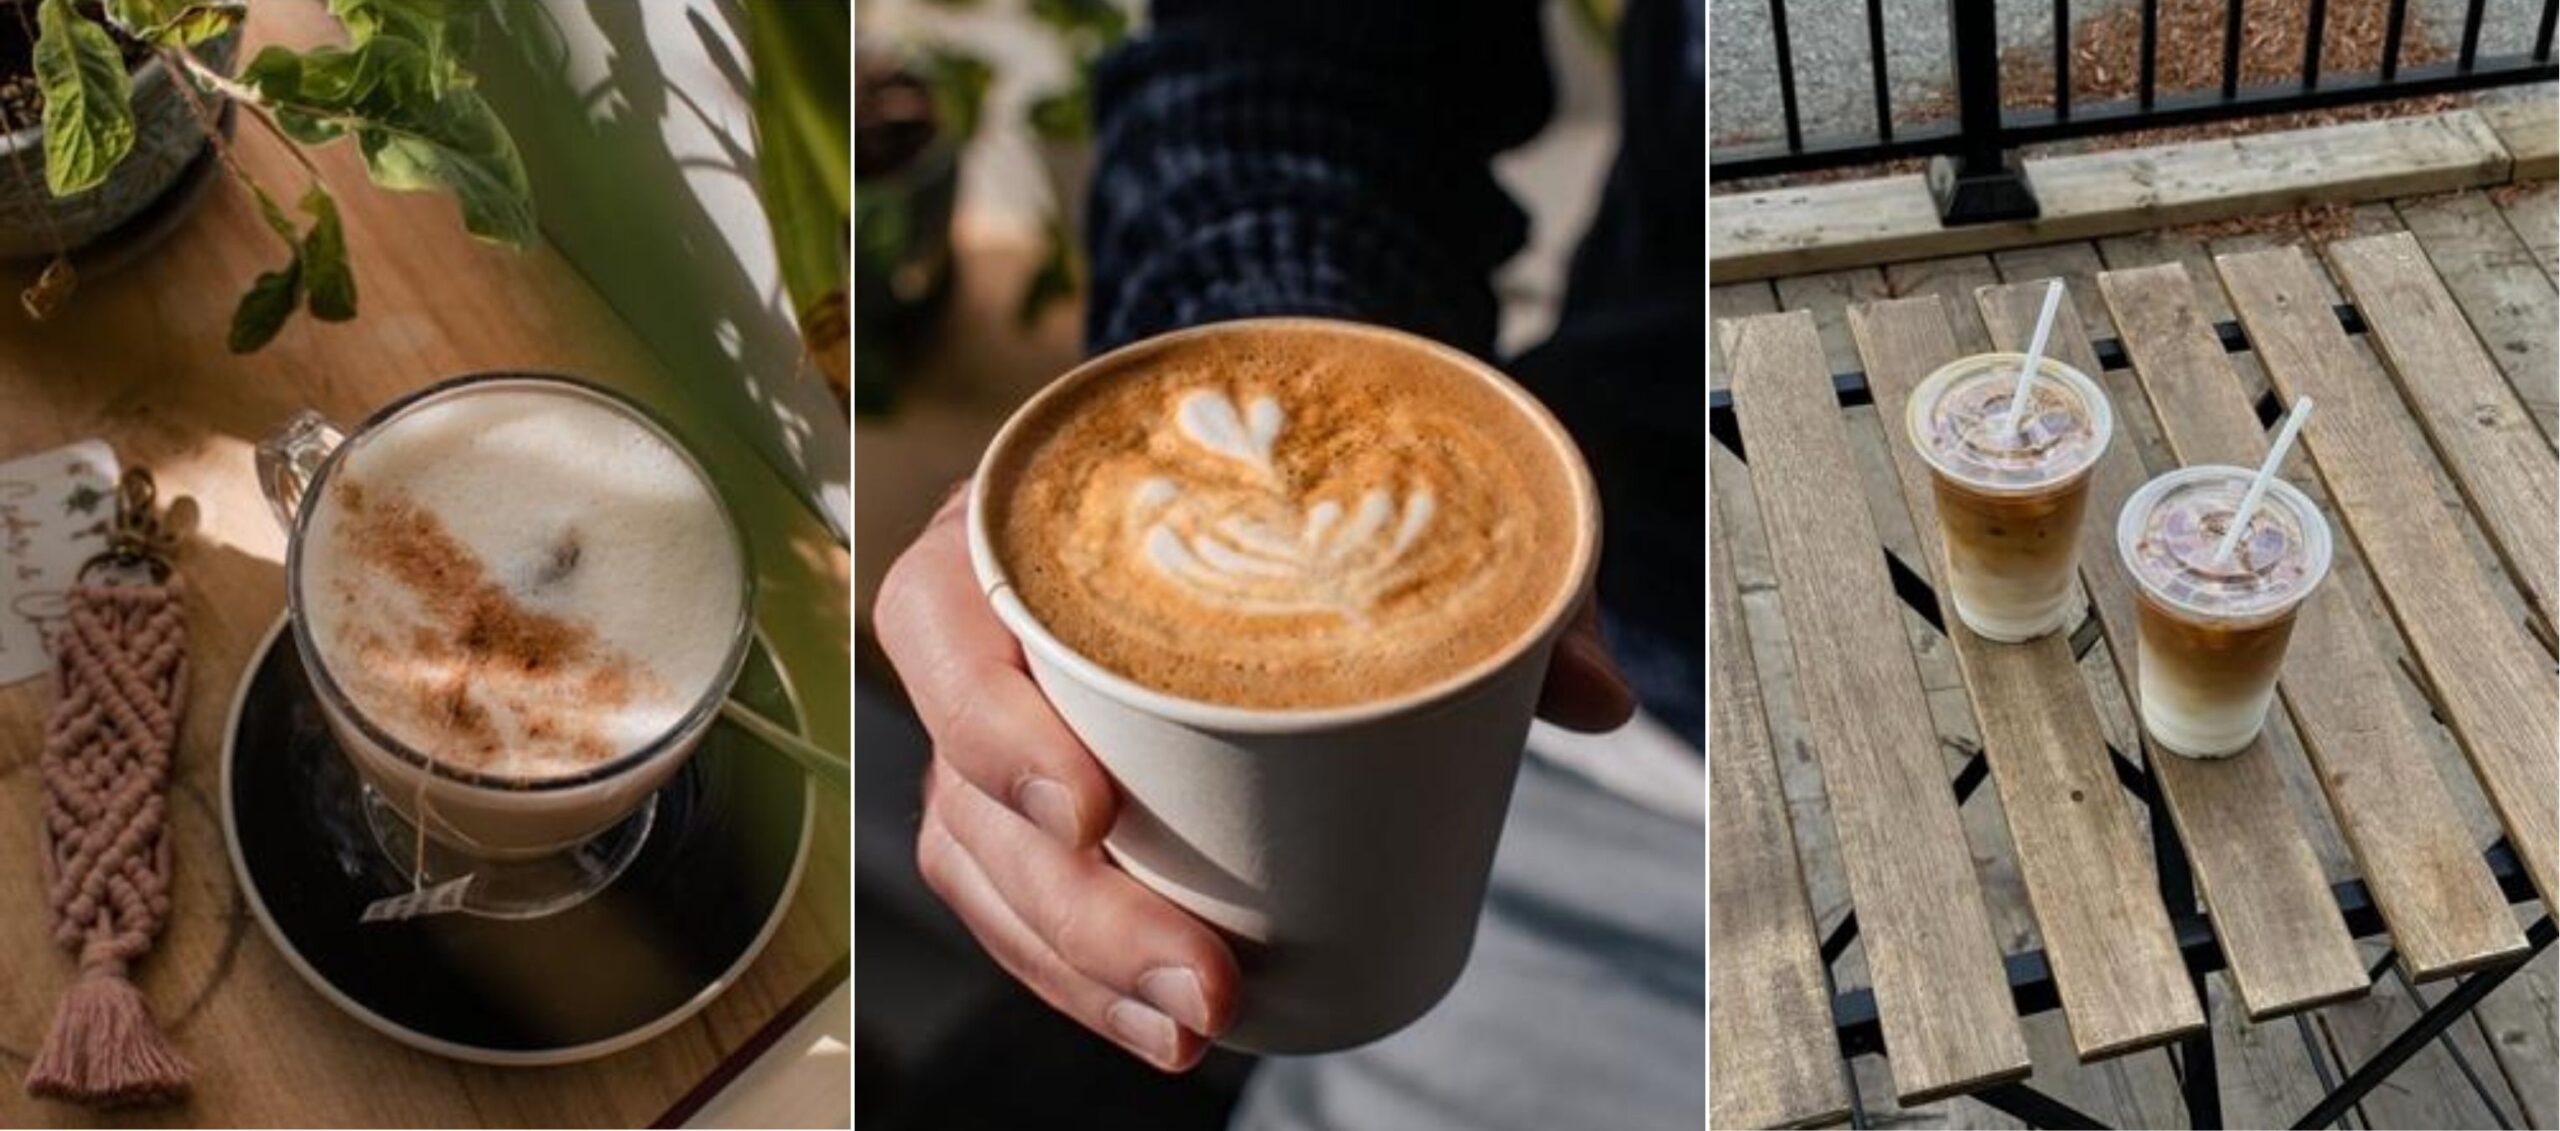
(1262, 552)
(1287, 518)
(520, 582)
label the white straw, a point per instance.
(2266, 474)
(816, 761)
(2035, 355)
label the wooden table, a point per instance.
(2125, 942)
(138, 360)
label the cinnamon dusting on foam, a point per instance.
(478, 647)
(1285, 517)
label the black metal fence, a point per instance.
(1972, 177)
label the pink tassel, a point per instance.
(105, 1049)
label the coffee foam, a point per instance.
(1968, 427)
(2180, 528)
(520, 582)
(1285, 518)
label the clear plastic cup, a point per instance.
(2010, 496)
(2213, 635)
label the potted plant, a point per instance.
(34, 222)
(398, 88)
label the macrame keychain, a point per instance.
(120, 662)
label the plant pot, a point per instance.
(166, 138)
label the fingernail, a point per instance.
(1176, 991)
(1143, 1029)
(1049, 806)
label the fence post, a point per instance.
(1977, 184)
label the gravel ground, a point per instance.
(1829, 47)
(1828, 38)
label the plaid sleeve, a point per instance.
(1311, 157)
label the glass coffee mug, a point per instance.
(532, 843)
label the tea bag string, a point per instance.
(120, 654)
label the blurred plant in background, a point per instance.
(917, 107)
(805, 157)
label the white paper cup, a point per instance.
(1342, 850)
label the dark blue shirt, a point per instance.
(1334, 157)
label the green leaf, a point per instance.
(1055, 281)
(959, 82)
(325, 275)
(273, 213)
(1100, 22)
(1064, 116)
(264, 309)
(443, 29)
(803, 133)
(88, 120)
(176, 23)
(412, 139)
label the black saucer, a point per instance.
(678, 927)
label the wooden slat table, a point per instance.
(2493, 681)
(2124, 945)
(2445, 912)
(137, 358)
(1930, 950)
(2088, 869)
(1770, 1010)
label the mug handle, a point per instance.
(289, 459)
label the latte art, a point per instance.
(1268, 521)
(1257, 552)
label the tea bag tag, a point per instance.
(437, 900)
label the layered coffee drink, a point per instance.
(1285, 516)
(2011, 484)
(522, 583)
(2214, 629)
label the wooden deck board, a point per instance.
(1799, 230)
(2087, 865)
(1769, 1013)
(2495, 684)
(2502, 462)
(2535, 216)
(1942, 996)
(2530, 129)
(2503, 292)
(2410, 842)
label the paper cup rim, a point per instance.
(1017, 616)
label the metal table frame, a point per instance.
(2031, 985)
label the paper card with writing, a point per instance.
(55, 508)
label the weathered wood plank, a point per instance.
(2503, 464)
(2501, 289)
(2495, 684)
(1827, 297)
(1775, 1061)
(2088, 867)
(2083, 196)
(2287, 947)
(2535, 216)
(1738, 300)
(1952, 280)
(2409, 840)
(2530, 129)
(1942, 994)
